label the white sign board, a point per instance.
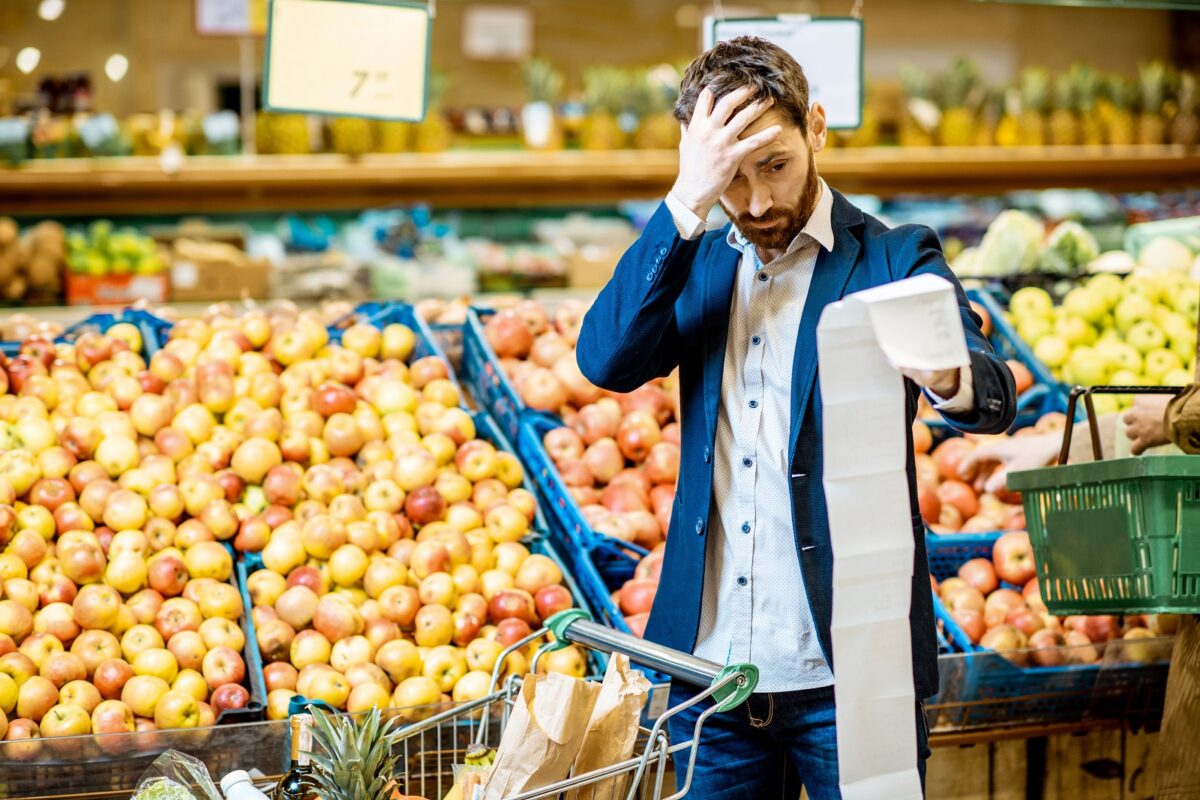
(362, 58)
(230, 17)
(497, 33)
(830, 49)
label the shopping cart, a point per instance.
(432, 746)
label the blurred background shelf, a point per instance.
(483, 179)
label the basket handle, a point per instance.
(1086, 392)
(575, 626)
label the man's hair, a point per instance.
(746, 61)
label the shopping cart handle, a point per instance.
(576, 626)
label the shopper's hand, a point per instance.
(1144, 422)
(943, 382)
(1011, 454)
(711, 149)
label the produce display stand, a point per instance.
(483, 372)
(518, 178)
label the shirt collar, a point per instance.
(819, 226)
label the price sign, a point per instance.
(364, 58)
(830, 49)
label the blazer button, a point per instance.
(650, 275)
(700, 525)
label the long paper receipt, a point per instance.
(861, 343)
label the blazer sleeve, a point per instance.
(629, 335)
(995, 405)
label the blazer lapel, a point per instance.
(719, 274)
(828, 285)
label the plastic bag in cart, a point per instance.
(176, 776)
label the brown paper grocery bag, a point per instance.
(544, 732)
(613, 729)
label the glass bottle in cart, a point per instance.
(296, 784)
(238, 786)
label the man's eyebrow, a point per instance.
(767, 159)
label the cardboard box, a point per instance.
(592, 265)
(211, 281)
(115, 290)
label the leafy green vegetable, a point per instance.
(163, 789)
(1069, 249)
(1010, 246)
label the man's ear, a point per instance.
(817, 131)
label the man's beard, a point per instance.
(791, 219)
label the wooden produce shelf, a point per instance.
(506, 179)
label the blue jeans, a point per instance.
(768, 747)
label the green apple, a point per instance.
(1108, 286)
(1119, 355)
(1031, 302)
(1052, 351)
(1132, 310)
(1144, 286)
(1146, 336)
(1031, 329)
(1106, 404)
(1187, 302)
(1184, 346)
(1075, 331)
(1125, 377)
(1086, 367)
(1087, 304)
(1178, 377)
(1159, 362)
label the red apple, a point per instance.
(1014, 559)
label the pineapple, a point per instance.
(392, 136)
(1087, 87)
(1031, 124)
(921, 115)
(658, 89)
(604, 90)
(1008, 130)
(1064, 124)
(543, 83)
(351, 136)
(867, 133)
(1152, 94)
(1120, 128)
(1185, 127)
(356, 762)
(958, 104)
(432, 134)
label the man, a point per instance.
(748, 568)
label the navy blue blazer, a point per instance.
(667, 305)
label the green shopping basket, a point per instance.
(1119, 536)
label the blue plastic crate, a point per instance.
(1011, 346)
(450, 337)
(154, 330)
(983, 689)
(483, 374)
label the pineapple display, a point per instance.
(283, 134)
(355, 761)
(605, 93)
(543, 84)
(867, 133)
(432, 134)
(392, 136)
(657, 127)
(1031, 123)
(921, 116)
(1152, 95)
(1185, 127)
(991, 111)
(1087, 89)
(1116, 113)
(1063, 125)
(958, 103)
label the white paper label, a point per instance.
(497, 33)
(222, 17)
(360, 59)
(184, 275)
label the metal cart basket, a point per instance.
(433, 745)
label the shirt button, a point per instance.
(754, 404)
(746, 462)
(742, 580)
(755, 340)
(762, 276)
(745, 527)
(700, 525)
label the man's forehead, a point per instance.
(769, 118)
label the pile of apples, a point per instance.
(951, 502)
(1012, 619)
(116, 611)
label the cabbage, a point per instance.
(1116, 261)
(1010, 246)
(967, 263)
(1165, 254)
(1068, 249)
